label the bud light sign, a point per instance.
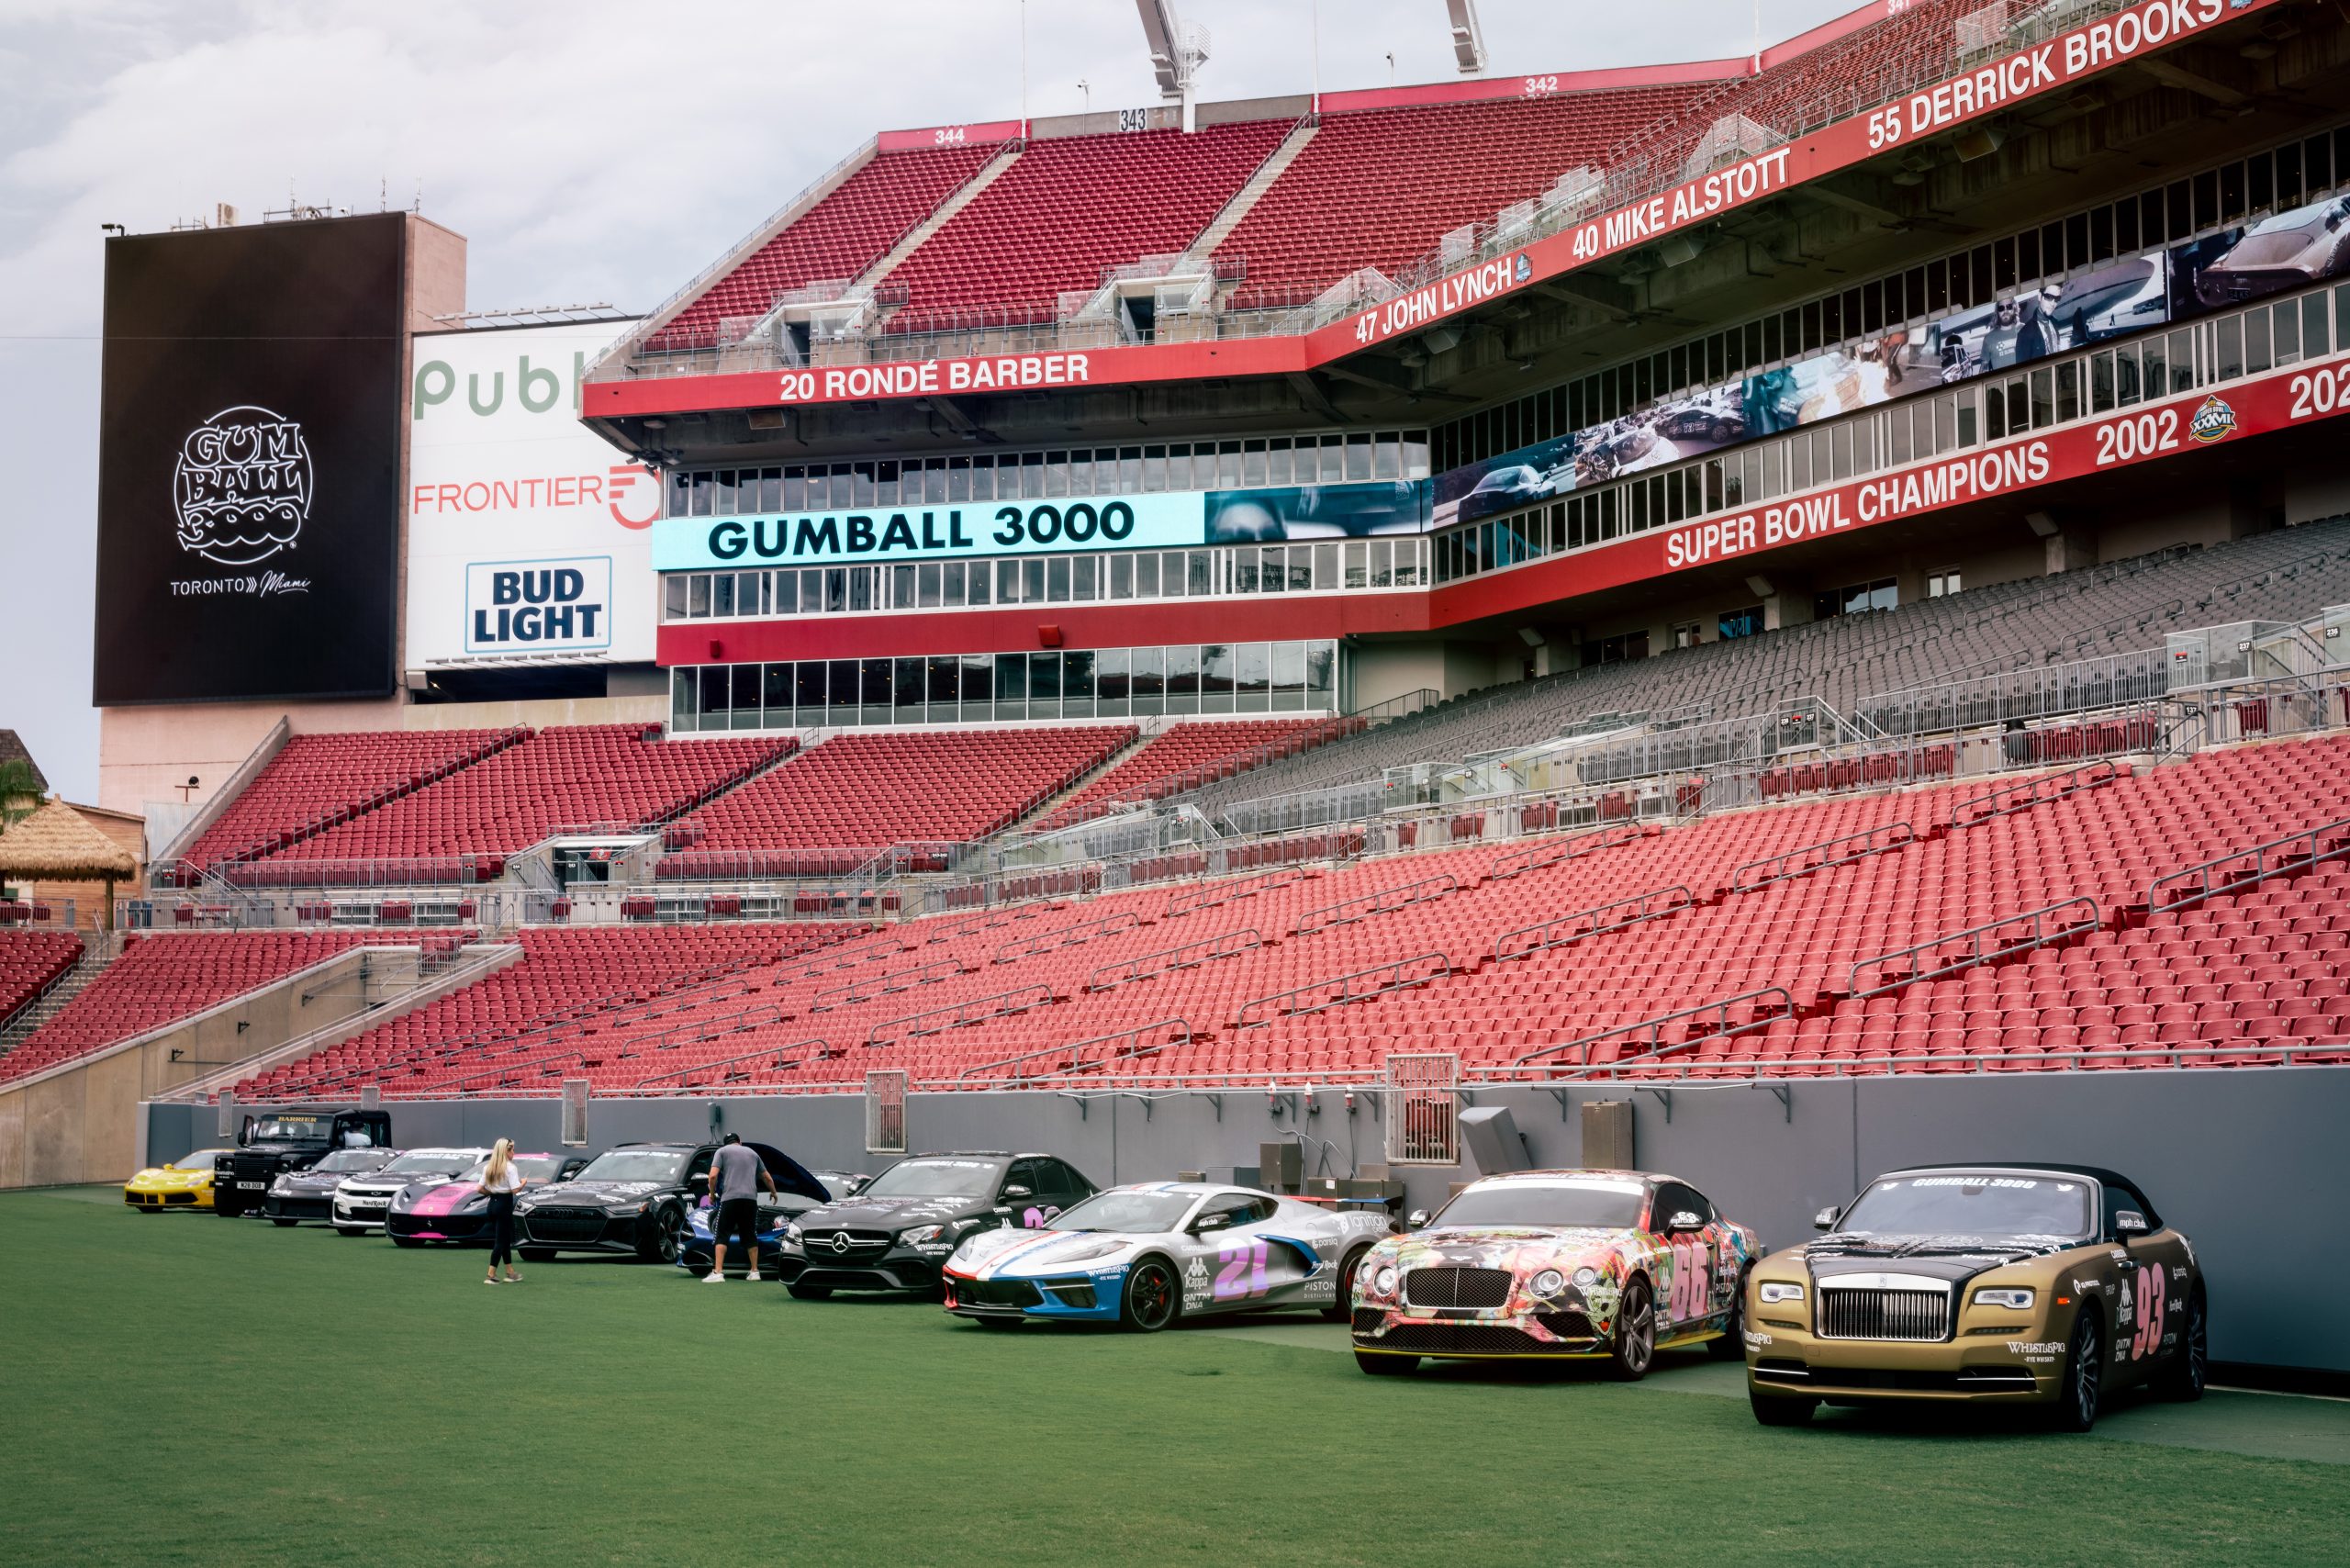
(539, 607)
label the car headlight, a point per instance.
(1549, 1283)
(920, 1235)
(1771, 1292)
(792, 1235)
(1382, 1282)
(2013, 1299)
(1586, 1278)
(281, 1186)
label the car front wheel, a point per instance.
(1731, 1346)
(2076, 1394)
(1150, 1302)
(1338, 1311)
(666, 1238)
(1635, 1347)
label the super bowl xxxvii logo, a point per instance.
(2212, 422)
(242, 488)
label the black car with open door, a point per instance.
(894, 1233)
(634, 1197)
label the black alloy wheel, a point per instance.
(2076, 1394)
(1150, 1303)
(668, 1236)
(1340, 1309)
(1634, 1346)
(1731, 1346)
(2182, 1380)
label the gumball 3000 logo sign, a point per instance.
(242, 488)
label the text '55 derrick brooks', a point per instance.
(1990, 1284)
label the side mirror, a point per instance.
(1825, 1219)
(1416, 1220)
(2130, 1222)
(858, 1184)
(1206, 1223)
(1683, 1220)
(1015, 1191)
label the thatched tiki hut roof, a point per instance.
(55, 844)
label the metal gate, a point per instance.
(885, 1111)
(1423, 1109)
(574, 1112)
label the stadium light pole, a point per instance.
(1315, 50)
(1024, 68)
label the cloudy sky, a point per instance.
(588, 151)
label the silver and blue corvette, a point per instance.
(1150, 1253)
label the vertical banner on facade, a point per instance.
(528, 536)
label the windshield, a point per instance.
(200, 1160)
(666, 1165)
(433, 1162)
(532, 1166)
(935, 1179)
(1146, 1211)
(312, 1129)
(1612, 1205)
(1972, 1203)
(351, 1160)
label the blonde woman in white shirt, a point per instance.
(500, 1180)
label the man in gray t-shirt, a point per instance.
(737, 1175)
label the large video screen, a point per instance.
(248, 462)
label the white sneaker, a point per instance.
(713, 1278)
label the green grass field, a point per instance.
(181, 1389)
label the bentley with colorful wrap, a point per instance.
(458, 1210)
(1592, 1265)
(2005, 1284)
(1146, 1254)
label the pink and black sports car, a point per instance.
(456, 1210)
(1556, 1265)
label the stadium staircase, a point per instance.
(38, 1004)
(963, 196)
(1245, 200)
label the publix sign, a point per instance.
(527, 535)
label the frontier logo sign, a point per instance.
(240, 493)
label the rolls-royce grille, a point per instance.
(1883, 1314)
(566, 1224)
(1456, 1287)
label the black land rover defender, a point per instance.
(273, 1142)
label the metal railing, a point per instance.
(937, 1020)
(1535, 857)
(1065, 936)
(1191, 955)
(1828, 852)
(1654, 1029)
(730, 1069)
(2036, 927)
(1974, 811)
(1214, 894)
(888, 983)
(1613, 915)
(1072, 1057)
(1386, 901)
(2244, 869)
(1400, 974)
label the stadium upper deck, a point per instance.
(1290, 235)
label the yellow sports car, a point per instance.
(182, 1183)
(2022, 1284)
